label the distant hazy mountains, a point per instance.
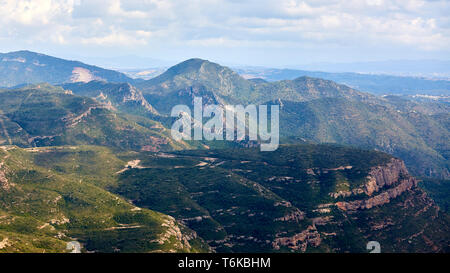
(425, 68)
(25, 67)
(379, 84)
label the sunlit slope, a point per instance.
(50, 196)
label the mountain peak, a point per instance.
(193, 65)
(193, 61)
(198, 72)
(24, 53)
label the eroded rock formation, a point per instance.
(299, 241)
(393, 177)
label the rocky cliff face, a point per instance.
(382, 176)
(130, 94)
(384, 183)
(381, 198)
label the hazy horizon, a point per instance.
(439, 69)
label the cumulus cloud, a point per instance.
(417, 24)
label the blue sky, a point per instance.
(264, 32)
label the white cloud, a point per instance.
(115, 9)
(115, 39)
(417, 24)
(33, 12)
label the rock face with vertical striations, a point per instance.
(381, 176)
(384, 183)
(380, 199)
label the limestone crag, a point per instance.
(381, 176)
(393, 177)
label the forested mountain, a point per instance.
(318, 110)
(43, 115)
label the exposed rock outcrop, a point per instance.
(129, 94)
(393, 175)
(299, 241)
(346, 193)
(4, 184)
(80, 74)
(173, 231)
(296, 215)
(378, 177)
(4, 243)
(381, 176)
(71, 120)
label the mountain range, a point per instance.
(419, 67)
(313, 109)
(379, 84)
(95, 139)
(330, 112)
(319, 110)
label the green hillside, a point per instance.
(50, 196)
(94, 162)
(416, 138)
(121, 96)
(42, 115)
(237, 200)
(320, 111)
(244, 200)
